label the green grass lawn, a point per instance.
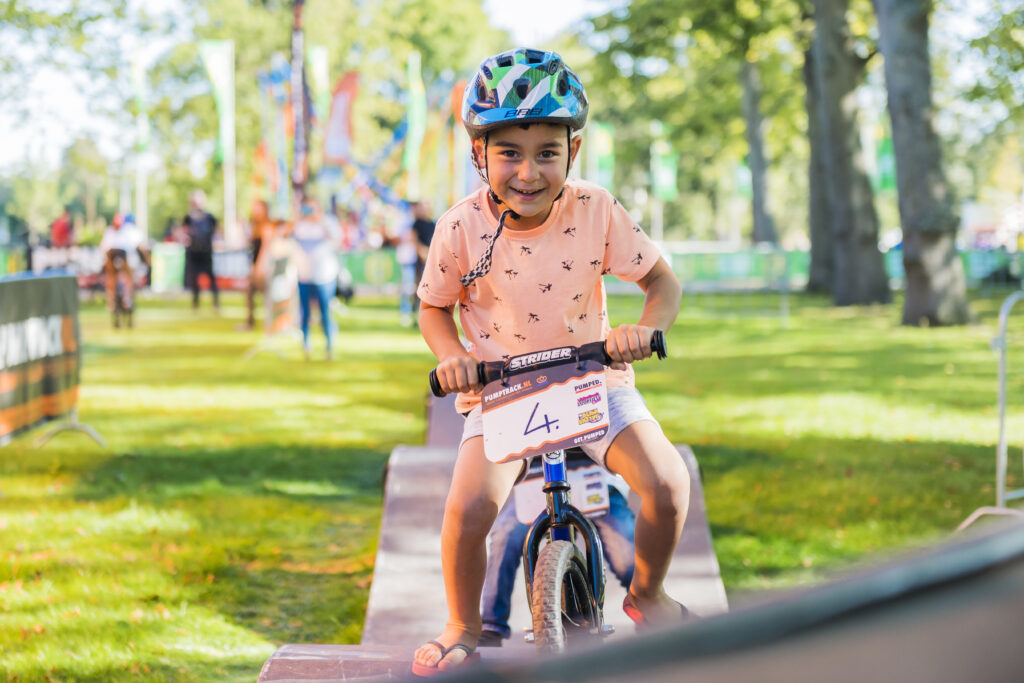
(238, 505)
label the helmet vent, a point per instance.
(563, 84)
(534, 56)
(504, 60)
(522, 87)
(486, 72)
(481, 91)
(553, 66)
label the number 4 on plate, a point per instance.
(548, 422)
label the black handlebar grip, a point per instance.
(658, 344)
(435, 385)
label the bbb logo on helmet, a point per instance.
(517, 113)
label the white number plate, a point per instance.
(545, 410)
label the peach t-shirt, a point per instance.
(545, 286)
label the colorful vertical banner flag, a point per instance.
(338, 135)
(279, 77)
(885, 181)
(417, 117)
(601, 155)
(320, 89)
(141, 105)
(320, 80)
(219, 59)
(664, 165)
(300, 111)
(264, 171)
(459, 147)
(744, 181)
(141, 143)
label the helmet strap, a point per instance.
(483, 266)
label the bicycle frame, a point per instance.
(560, 522)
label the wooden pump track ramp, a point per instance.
(407, 605)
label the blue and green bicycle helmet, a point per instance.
(523, 86)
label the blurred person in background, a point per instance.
(412, 245)
(122, 243)
(406, 256)
(261, 234)
(200, 225)
(62, 230)
(316, 264)
(423, 230)
(61, 237)
(349, 221)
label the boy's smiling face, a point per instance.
(527, 167)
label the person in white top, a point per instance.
(316, 264)
(122, 243)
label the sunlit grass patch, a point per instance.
(236, 509)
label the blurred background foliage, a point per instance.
(673, 61)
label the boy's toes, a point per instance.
(429, 654)
(454, 656)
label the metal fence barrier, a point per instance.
(999, 345)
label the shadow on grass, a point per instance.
(297, 472)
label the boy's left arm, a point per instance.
(662, 294)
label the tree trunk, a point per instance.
(764, 228)
(860, 276)
(821, 276)
(936, 292)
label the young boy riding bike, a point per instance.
(523, 260)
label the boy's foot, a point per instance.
(433, 658)
(662, 611)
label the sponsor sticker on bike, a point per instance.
(589, 484)
(544, 410)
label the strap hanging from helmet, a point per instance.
(483, 265)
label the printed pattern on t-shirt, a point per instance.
(545, 287)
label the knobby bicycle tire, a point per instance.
(560, 597)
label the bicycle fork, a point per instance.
(561, 522)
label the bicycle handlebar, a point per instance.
(488, 371)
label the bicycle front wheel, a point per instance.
(562, 602)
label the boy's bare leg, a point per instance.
(478, 490)
(651, 466)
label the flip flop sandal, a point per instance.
(425, 671)
(633, 612)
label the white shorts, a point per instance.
(625, 406)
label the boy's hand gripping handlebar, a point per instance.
(488, 371)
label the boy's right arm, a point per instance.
(456, 369)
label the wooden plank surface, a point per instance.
(406, 605)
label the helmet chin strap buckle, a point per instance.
(497, 200)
